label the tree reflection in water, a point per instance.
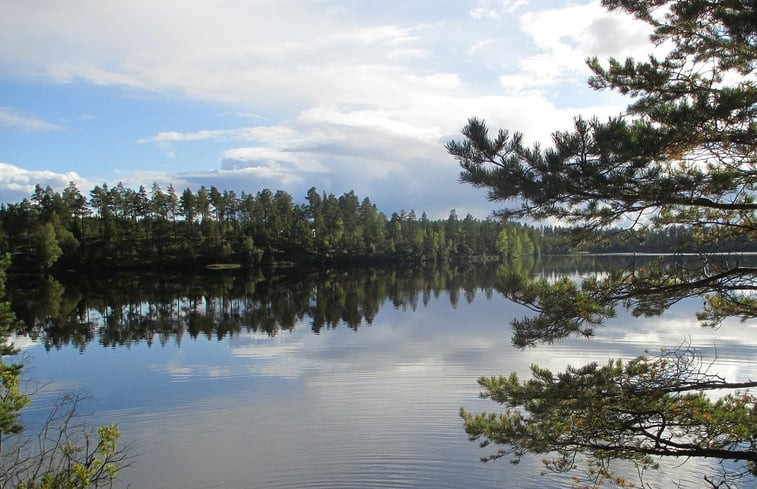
(128, 308)
(124, 309)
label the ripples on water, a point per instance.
(371, 407)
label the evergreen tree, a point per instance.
(203, 203)
(188, 206)
(503, 242)
(684, 154)
(12, 400)
(172, 203)
(140, 204)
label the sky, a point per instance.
(338, 95)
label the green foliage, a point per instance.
(142, 308)
(7, 317)
(67, 454)
(687, 156)
(564, 307)
(123, 228)
(636, 410)
(49, 249)
(12, 400)
(98, 470)
(680, 162)
(65, 457)
(682, 158)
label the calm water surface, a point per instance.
(332, 380)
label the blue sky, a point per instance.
(290, 94)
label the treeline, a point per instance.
(124, 309)
(120, 227)
(670, 239)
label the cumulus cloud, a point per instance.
(296, 53)
(567, 36)
(335, 167)
(393, 154)
(18, 183)
(264, 51)
(339, 100)
(271, 162)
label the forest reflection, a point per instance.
(124, 309)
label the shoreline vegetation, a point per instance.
(125, 308)
(119, 228)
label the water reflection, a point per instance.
(125, 309)
(345, 378)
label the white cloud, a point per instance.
(483, 45)
(393, 154)
(18, 183)
(567, 36)
(202, 135)
(340, 100)
(390, 35)
(11, 119)
(408, 54)
(494, 9)
(271, 162)
(284, 54)
(261, 51)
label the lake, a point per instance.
(329, 379)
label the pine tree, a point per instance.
(683, 154)
(12, 400)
